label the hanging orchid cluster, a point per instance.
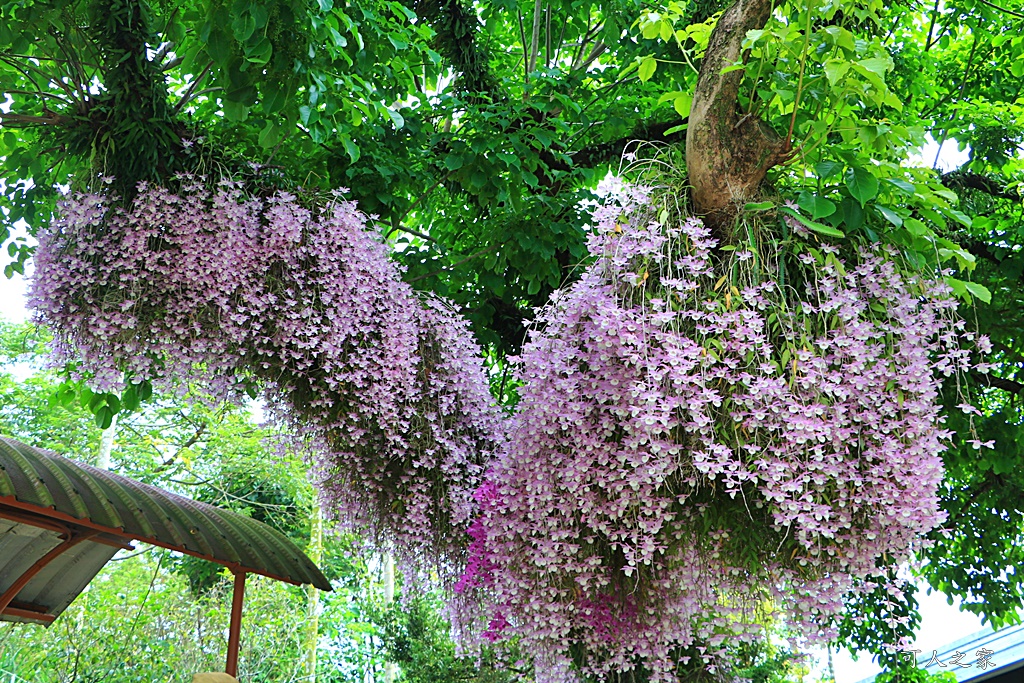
(232, 291)
(703, 432)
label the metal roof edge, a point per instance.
(291, 561)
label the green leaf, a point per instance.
(916, 227)
(960, 217)
(902, 185)
(235, 111)
(270, 135)
(648, 65)
(863, 185)
(889, 215)
(827, 169)
(682, 104)
(892, 100)
(759, 206)
(130, 398)
(260, 53)
(104, 417)
(351, 148)
(811, 225)
(1017, 68)
(835, 70)
(339, 40)
(979, 291)
(959, 287)
(218, 46)
(453, 161)
(817, 207)
(275, 96)
(877, 65)
(666, 30)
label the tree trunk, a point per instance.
(107, 444)
(727, 152)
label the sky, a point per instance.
(942, 623)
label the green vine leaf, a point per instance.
(863, 185)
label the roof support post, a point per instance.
(236, 624)
(73, 538)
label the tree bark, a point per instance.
(728, 152)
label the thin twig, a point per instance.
(52, 96)
(188, 93)
(599, 49)
(526, 53)
(956, 111)
(931, 25)
(472, 256)
(398, 227)
(547, 36)
(1002, 9)
(159, 55)
(171, 64)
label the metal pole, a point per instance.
(236, 624)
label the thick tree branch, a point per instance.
(29, 120)
(975, 181)
(1007, 385)
(1002, 9)
(728, 154)
(606, 151)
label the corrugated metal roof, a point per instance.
(39, 487)
(50, 591)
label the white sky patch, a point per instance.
(949, 158)
(941, 624)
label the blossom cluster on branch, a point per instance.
(236, 292)
(698, 438)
